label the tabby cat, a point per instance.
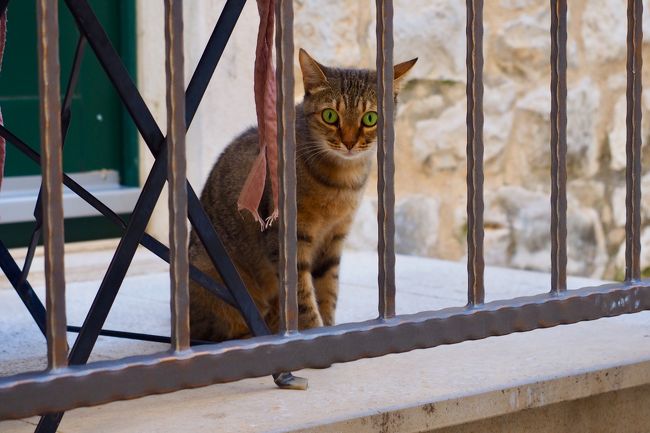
(336, 129)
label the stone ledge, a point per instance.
(412, 392)
(470, 408)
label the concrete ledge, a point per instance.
(415, 392)
(611, 412)
(469, 408)
(419, 391)
(19, 193)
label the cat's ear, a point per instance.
(400, 70)
(313, 76)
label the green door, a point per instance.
(101, 140)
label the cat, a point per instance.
(336, 130)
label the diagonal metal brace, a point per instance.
(90, 27)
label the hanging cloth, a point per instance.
(3, 38)
(265, 97)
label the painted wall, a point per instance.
(228, 103)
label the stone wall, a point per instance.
(431, 132)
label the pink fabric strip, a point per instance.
(3, 38)
(265, 97)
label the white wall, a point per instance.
(228, 105)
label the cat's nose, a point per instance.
(349, 143)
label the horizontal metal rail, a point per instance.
(93, 384)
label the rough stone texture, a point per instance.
(430, 125)
(645, 255)
(416, 225)
(322, 22)
(582, 113)
(517, 4)
(617, 136)
(522, 46)
(617, 411)
(431, 136)
(604, 30)
(363, 235)
(518, 226)
(444, 42)
(439, 144)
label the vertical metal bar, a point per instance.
(47, 19)
(385, 159)
(475, 262)
(286, 166)
(558, 145)
(66, 113)
(176, 175)
(633, 168)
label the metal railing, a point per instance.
(184, 365)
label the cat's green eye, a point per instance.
(330, 116)
(369, 119)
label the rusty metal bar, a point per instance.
(475, 262)
(66, 113)
(385, 159)
(558, 145)
(137, 376)
(176, 176)
(633, 143)
(47, 18)
(286, 166)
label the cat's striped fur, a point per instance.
(332, 167)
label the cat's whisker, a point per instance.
(315, 155)
(311, 152)
(317, 148)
